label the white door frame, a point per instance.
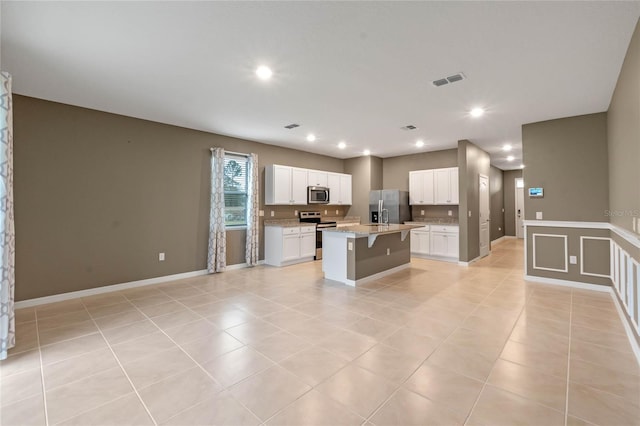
(480, 214)
(519, 229)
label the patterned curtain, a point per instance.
(7, 231)
(253, 188)
(217, 256)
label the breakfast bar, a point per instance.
(361, 253)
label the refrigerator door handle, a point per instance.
(380, 204)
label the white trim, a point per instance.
(498, 240)
(566, 252)
(116, 287)
(630, 237)
(567, 224)
(567, 283)
(582, 272)
(461, 263)
(630, 335)
(354, 283)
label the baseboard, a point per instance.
(438, 258)
(116, 287)
(567, 283)
(354, 283)
(461, 263)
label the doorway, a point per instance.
(485, 229)
(519, 208)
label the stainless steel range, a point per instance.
(316, 217)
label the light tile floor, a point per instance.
(434, 344)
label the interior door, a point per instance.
(484, 216)
(519, 208)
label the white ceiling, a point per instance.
(352, 71)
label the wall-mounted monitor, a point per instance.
(536, 192)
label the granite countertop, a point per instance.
(436, 221)
(372, 229)
(283, 223)
(341, 219)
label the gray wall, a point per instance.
(98, 196)
(623, 133)
(509, 180)
(366, 173)
(472, 162)
(568, 158)
(396, 169)
(496, 202)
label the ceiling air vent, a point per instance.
(409, 127)
(451, 79)
(292, 126)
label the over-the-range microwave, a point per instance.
(317, 195)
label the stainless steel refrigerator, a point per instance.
(389, 206)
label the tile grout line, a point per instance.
(566, 402)
(44, 389)
(225, 388)
(121, 369)
(486, 380)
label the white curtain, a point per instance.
(7, 230)
(217, 256)
(253, 188)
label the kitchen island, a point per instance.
(355, 254)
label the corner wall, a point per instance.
(509, 179)
(472, 162)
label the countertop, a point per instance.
(372, 229)
(434, 221)
(285, 223)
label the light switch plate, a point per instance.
(450, 213)
(421, 212)
(295, 212)
(573, 260)
(469, 213)
(261, 213)
(350, 245)
(538, 215)
(160, 257)
(273, 213)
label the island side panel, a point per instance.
(365, 261)
(334, 256)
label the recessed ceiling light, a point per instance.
(366, 152)
(506, 147)
(420, 143)
(522, 166)
(342, 145)
(510, 158)
(476, 112)
(311, 137)
(264, 72)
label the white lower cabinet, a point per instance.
(444, 241)
(440, 241)
(420, 241)
(289, 245)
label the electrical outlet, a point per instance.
(160, 257)
(573, 260)
(261, 213)
(325, 212)
(337, 212)
(350, 245)
(502, 210)
(499, 228)
(538, 215)
(273, 213)
(450, 213)
(421, 212)
(388, 251)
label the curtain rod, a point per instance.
(242, 154)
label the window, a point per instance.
(235, 190)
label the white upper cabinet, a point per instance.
(317, 178)
(436, 186)
(339, 188)
(285, 185)
(421, 187)
(446, 186)
(288, 185)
